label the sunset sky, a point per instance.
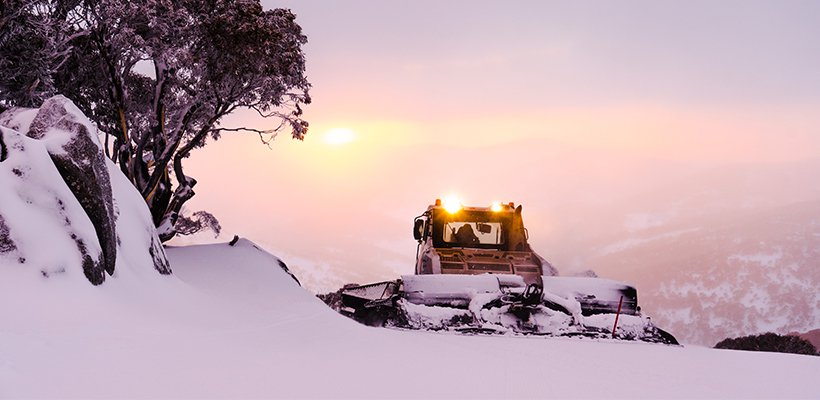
(548, 104)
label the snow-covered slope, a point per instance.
(230, 323)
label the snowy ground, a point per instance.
(231, 324)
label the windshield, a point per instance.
(466, 233)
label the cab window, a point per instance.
(468, 233)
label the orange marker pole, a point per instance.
(620, 302)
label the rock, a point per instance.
(59, 188)
(3, 151)
(82, 165)
(6, 245)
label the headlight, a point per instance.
(452, 204)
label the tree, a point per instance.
(158, 77)
(32, 48)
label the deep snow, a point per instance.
(231, 323)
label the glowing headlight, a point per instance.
(496, 207)
(452, 204)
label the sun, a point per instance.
(339, 136)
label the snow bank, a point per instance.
(139, 250)
(231, 323)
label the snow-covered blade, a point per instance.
(455, 290)
(503, 304)
(596, 295)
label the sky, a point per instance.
(550, 105)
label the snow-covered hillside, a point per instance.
(231, 323)
(719, 276)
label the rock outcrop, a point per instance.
(58, 189)
(82, 165)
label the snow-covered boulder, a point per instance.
(60, 212)
(44, 226)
